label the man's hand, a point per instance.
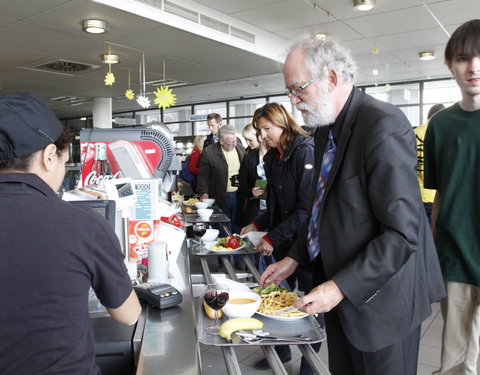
(257, 191)
(264, 247)
(248, 228)
(321, 299)
(277, 272)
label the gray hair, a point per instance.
(324, 55)
(226, 130)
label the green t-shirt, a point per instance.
(452, 166)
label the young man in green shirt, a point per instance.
(452, 162)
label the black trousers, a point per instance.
(398, 359)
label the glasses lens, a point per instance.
(297, 92)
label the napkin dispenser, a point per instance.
(158, 262)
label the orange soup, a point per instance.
(241, 301)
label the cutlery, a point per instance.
(265, 336)
(284, 311)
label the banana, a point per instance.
(233, 325)
(211, 312)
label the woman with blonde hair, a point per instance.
(249, 196)
(250, 135)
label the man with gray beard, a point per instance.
(376, 270)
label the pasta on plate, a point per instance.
(277, 300)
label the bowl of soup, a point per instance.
(209, 201)
(241, 304)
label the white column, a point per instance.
(102, 113)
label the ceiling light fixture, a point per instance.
(110, 58)
(94, 26)
(320, 36)
(364, 5)
(426, 55)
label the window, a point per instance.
(240, 123)
(445, 92)
(246, 107)
(283, 100)
(412, 113)
(400, 94)
(205, 109)
(144, 117)
(200, 128)
(177, 114)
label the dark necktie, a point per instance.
(327, 160)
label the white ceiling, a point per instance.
(216, 65)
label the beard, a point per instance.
(320, 112)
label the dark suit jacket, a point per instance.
(375, 240)
(208, 141)
(212, 175)
(248, 206)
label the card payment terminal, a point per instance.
(161, 296)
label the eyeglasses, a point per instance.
(298, 92)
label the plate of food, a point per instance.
(191, 202)
(227, 244)
(274, 299)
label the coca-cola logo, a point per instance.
(143, 230)
(95, 179)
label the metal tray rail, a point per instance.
(219, 217)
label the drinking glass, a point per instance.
(216, 296)
(199, 230)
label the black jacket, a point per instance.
(288, 202)
(248, 206)
(208, 141)
(212, 177)
(375, 240)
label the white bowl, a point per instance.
(204, 213)
(201, 205)
(209, 201)
(238, 306)
(210, 235)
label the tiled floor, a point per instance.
(429, 355)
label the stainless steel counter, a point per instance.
(169, 344)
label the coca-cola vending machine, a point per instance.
(133, 152)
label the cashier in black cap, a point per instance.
(51, 252)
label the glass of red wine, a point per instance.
(216, 296)
(199, 230)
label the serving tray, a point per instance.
(307, 326)
(219, 217)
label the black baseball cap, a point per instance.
(27, 125)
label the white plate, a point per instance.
(223, 251)
(283, 318)
(232, 285)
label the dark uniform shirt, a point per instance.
(51, 253)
